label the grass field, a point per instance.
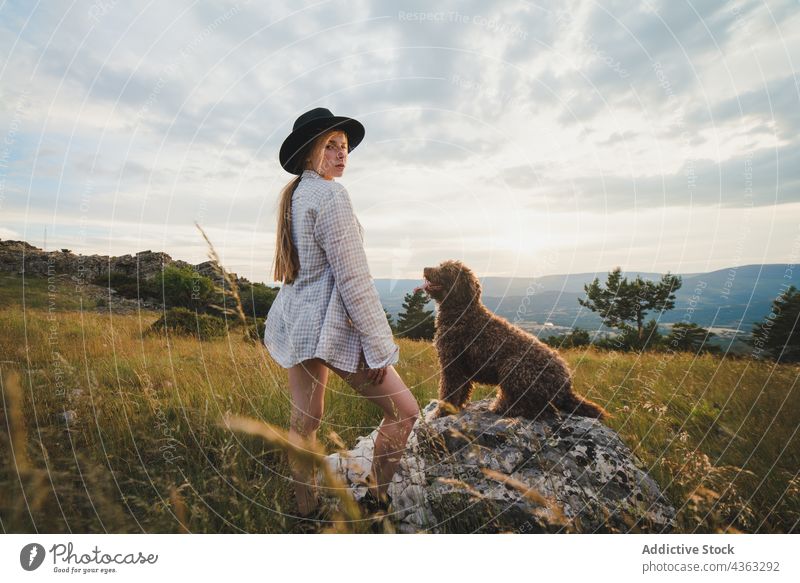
(144, 450)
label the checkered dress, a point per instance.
(332, 310)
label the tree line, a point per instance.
(623, 305)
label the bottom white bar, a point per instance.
(349, 558)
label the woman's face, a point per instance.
(331, 156)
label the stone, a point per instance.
(68, 417)
(79, 272)
(19, 257)
(478, 472)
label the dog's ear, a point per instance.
(465, 288)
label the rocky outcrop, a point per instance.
(18, 256)
(479, 472)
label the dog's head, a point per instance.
(452, 284)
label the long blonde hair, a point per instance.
(287, 261)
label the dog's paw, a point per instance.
(443, 411)
(437, 413)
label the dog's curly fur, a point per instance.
(475, 345)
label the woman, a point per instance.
(327, 314)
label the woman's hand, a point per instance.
(376, 375)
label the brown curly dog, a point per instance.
(474, 345)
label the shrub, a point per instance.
(689, 337)
(174, 287)
(577, 337)
(127, 286)
(185, 322)
(184, 287)
(256, 328)
(257, 299)
(629, 339)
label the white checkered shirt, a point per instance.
(332, 310)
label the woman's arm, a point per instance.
(336, 231)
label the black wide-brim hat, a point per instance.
(310, 125)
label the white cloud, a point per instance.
(494, 132)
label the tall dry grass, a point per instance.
(719, 435)
(145, 417)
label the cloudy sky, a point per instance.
(524, 138)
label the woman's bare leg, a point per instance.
(400, 411)
(307, 382)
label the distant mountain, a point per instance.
(734, 297)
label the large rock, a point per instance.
(19, 257)
(479, 472)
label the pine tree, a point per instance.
(623, 301)
(779, 333)
(415, 321)
(390, 320)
